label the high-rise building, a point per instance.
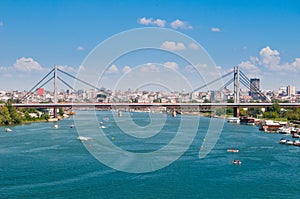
(254, 88)
(291, 90)
(40, 91)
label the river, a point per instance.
(40, 161)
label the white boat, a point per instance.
(295, 135)
(236, 162)
(232, 150)
(233, 120)
(8, 130)
(289, 142)
(284, 130)
(282, 141)
(297, 142)
(103, 127)
(56, 126)
(82, 138)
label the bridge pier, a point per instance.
(236, 112)
(55, 112)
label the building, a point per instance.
(40, 91)
(291, 90)
(254, 88)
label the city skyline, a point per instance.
(259, 36)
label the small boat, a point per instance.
(297, 143)
(8, 130)
(295, 135)
(82, 138)
(72, 126)
(289, 142)
(236, 162)
(56, 126)
(232, 150)
(103, 127)
(284, 130)
(233, 120)
(282, 141)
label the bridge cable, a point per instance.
(82, 81)
(26, 95)
(65, 83)
(213, 81)
(45, 83)
(226, 84)
(246, 84)
(253, 87)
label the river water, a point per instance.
(40, 161)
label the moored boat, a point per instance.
(295, 135)
(289, 142)
(269, 126)
(297, 143)
(282, 141)
(233, 120)
(247, 121)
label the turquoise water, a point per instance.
(39, 161)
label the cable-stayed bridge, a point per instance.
(238, 78)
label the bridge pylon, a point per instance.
(55, 92)
(236, 91)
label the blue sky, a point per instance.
(262, 37)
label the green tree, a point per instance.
(254, 112)
(5, 118)
(61, 112)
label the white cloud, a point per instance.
(1, 23)
(113, 69)
(194, 46)
(249, 66)
(145, 21)
(80, 48)
(190, 69)
(126, 69)
(214, 29)
(160, 22)
(150, 67)
(171, 65)
(151, 21)
(66, 68)
(27, 64)
(178, 24)
(171, 45)
(81, 68)
(269, 60)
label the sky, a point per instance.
(259, 36)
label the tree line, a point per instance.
(10, 116)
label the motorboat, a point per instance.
(282, 141)
(295, 135)
(284, 130)
(297, 143)
(289, 142)
(72, 126)
(247, 121)
(232, 150)
(233, 120)
(82, 138)
(8, 130)
(236, 162)
(103, 127)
